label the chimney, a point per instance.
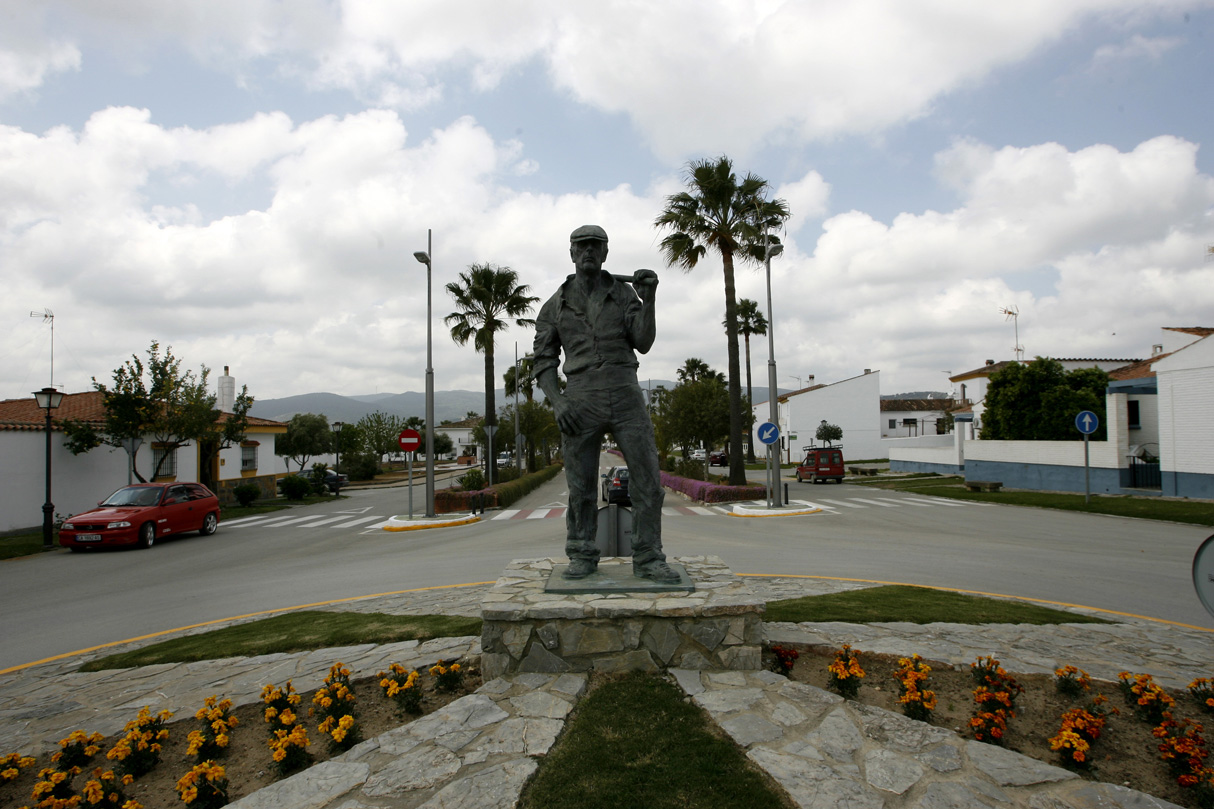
(1156, 349)
(227, 392)
(868, 370)
(811, 380)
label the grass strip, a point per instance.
(916, 605)
(293, 632)
(1194, 512)
(22, 545)
(634, 741)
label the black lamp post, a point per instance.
(337, 425)
(48, 399)
(425, 258)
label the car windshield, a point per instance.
(133, 496)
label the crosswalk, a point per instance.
(360, 519)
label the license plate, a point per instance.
(88, 537)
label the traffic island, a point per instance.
(420, 523)
(796, 508)
(535, 622)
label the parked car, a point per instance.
(334, 481)
(718, 457)
(505, 459)
(615, 486)
(141, 514)
(698, 455)
(821, 463)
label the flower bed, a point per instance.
(712, 492)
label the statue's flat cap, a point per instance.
(587, 232)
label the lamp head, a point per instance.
(423, 257)
(48, 398)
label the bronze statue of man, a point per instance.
(600, 321)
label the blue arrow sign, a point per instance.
(768, 433)
(1087, 422)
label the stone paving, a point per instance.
(481, 749)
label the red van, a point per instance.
(821, 463)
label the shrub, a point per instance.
(845, 672)
(317, 478)
(712, 492)
(360, 466)
(506, 474)
(472, 481)
(296, 487)
(246, 493)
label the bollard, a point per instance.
(785, 494)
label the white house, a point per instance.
(854, 405)
(1159, 434)
(910, 418)
(79, 481)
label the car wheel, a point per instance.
(838, 480)
(210, 524)
(799, 480)
(74, 549)
(147, 535)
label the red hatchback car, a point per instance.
(141, 514)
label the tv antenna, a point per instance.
(1013, 314)
(49, 317)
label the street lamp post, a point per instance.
(48, 399)
(337, 425)
(518, 438)
(425, 258)
(773, 457)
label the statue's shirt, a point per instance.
(594, 330)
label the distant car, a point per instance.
(615, 486)
(821, 463)
(334, 481)
(718, 457)
(141, 514)
(505, 459)
(699, 455)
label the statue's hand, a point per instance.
(645, 282)
(566, 416)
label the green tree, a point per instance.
(487, 298)
(307, 435)
(829, 432)
(699, 413)
(520, 375)
(693, 370)
(168, 405)
(750, 321)
(729, 217)
(381, 433)
(1038, 401)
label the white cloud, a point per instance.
(1133, 50)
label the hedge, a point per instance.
(712, 492)
(499, 495)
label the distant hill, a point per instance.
(449, 405)
(918, 394)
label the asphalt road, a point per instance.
(59, 603)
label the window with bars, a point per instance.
(248, 459)
(168, 467)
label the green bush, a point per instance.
(360, 466)
(472, 481)
(317, 478)
(505, 474)
(500, 495)
(246, 493)
(295, 487)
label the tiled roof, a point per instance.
(985, 370)
(915, 405)
(1196, 331)
(24, 414)
(1140, 369)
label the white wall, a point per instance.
(1186, 389)
(77, 481)
(852, 404)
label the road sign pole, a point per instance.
(410, 456)
(1087, 485)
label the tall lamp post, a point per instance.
(337, 425)
(773, 456)
(518, 438)
(48, 399)
(424, 258)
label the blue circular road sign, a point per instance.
(768, 433)
(1087, 422)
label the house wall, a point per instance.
(925, 423)
(77, 481)
(1186, 431)
(853, 404)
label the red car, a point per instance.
(141, 514)
(821, 463)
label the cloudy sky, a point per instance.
(247, 180)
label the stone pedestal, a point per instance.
(717, 626)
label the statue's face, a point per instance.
(588, 254)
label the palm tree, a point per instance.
(487, 298)
(693, 369)
(750, 321)
(731, 218)
(520, 375)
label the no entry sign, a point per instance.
(409, 440)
